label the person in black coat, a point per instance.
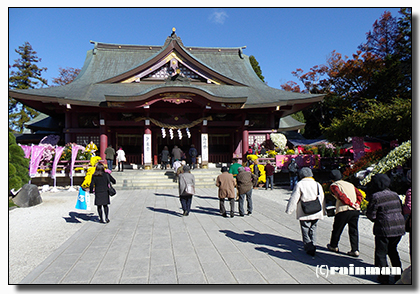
(99, 184)
(385, 210)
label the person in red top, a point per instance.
(269, 175)
(347, 211)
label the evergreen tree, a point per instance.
(27, 76)
(256, 66)
(18, 165)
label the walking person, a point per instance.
(193, 155)
(293, 173)
(347, 211)
(186, 181)
(269, 175)
(121, 159)
(165, 157)
(99, 186)
(307, 189)
(109, 156)
(385, 211)
(226, 184)
(245, 181)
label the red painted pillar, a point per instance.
(147, 147)
(103, 141)
(245, 144)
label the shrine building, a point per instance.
(146, 97)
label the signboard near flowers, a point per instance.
(304, 160)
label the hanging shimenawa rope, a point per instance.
(175, 127)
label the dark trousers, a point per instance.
(106, 210)
(341, 219)
(386, 246)
(120, 165)
(186, 203)
(222, 205)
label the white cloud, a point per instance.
(218, 16)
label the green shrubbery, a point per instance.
(18, 165)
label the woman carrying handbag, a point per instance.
(186, 185)
(99, 185)
(307, 191)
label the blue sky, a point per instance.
(281, 39)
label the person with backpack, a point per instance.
(293, 173)
(193, 155)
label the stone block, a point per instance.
(28, 196)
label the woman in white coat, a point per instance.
(307, 189)
(121, 159)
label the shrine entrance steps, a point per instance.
(131, 179)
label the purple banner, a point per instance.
(36, 156)
(27, 150)
(74, 150)
(58, 151)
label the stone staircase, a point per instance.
(132, 179)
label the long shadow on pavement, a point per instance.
(290, 249)
(75, 216)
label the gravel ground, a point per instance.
(36, 232)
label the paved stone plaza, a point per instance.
(148, 241)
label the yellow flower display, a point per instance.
(252, 157)
(364, 203)
(261, 179)
(88, 178)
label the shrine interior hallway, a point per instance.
(148, 241)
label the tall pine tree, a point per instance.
(26, 76)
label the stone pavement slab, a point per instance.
(148, 241)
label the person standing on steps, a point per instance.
(226, 184)
(121, 159)
(109, 156)
(99, 186)
(165, 157)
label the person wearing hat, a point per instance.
(385, 211)
(226, 184)
(307, 189)
(185, 179)
(347, 211)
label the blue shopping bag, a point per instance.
(83, 200)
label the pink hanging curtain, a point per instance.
(58, 151)
(74, 150)
(27, 150)
(36, 156)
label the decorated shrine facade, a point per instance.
(146, 97)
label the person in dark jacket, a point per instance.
(99, 185)
(185, 178)
(165, 157)
(245, 181)
(385, 210)
(269, 175)
(293, 169)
